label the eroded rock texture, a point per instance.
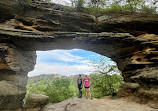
(41, 16)
(141, 68)
(14, 67)
(32, 27)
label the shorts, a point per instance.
(87, 87)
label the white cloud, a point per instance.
(44, 68)
(63, 55)
(46, 63)
(49, 62)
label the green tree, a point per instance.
(106, 78)
(148, 8)
(80, 5)
(57, 89)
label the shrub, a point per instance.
(68, 8)
(106, 78)
(115, 8)
(147, 9)
(104, 84)
(79, 5)
(94, 10)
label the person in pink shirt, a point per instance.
(87, 84)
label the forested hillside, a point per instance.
(59, 87)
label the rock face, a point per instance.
(41, 16)
(11, 96)
(36, 101)
(14, 67)
(25, 31)
(133, 23)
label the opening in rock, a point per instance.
(56, 73)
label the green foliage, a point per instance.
(132, 5)
(148, 9)
(106, 79)
(94, 10)
(139, 6)
(57, 89)
(104, 84)
(79, 5)
(68, 8)
(129, 6)
(115, 8)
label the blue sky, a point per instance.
(65, 62)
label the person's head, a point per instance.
(79, 75)
(86, 76)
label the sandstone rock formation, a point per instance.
(36, 101)
(40, 16)
(14, 67)
(24, 30)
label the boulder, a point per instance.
(36, 101)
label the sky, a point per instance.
(65, 62)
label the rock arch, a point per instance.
(136, 57)
(120, 37)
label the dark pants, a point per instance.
(80, 90)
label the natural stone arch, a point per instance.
(136, 54)
(136, 57)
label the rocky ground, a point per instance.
(104, 104)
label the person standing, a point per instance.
(87, 84)
(79, 85)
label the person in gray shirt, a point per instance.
(79, 85)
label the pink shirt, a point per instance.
(86, 80)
